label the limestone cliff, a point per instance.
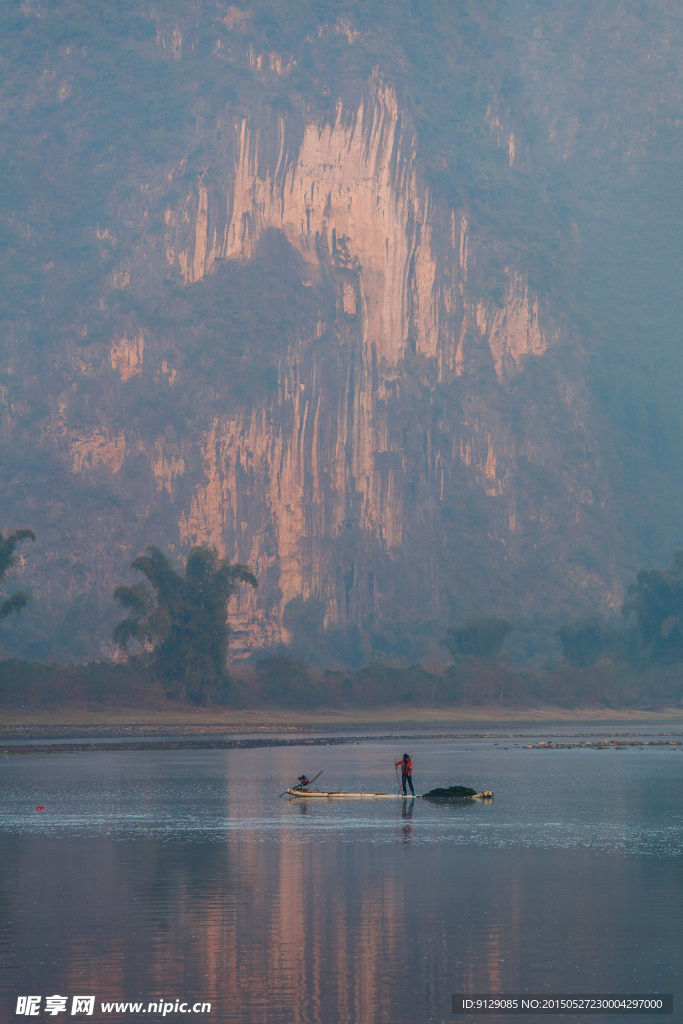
(404, 451)
(285, 481)
(385, 303)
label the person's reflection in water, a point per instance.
(407, 820)
(303, 807)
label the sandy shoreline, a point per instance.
(180, 720)
(615, 741)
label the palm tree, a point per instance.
(18, 600)
(182, 622)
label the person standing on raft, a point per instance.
(406, 773)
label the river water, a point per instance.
(180, 875)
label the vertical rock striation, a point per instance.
(420, 451)
(334, 488)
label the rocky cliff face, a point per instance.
(397, 400)
(422, 451)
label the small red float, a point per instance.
(40, 808)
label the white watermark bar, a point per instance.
(53, 1006)
(609, 1003)
(162, 1006)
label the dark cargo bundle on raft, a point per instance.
(455, 793)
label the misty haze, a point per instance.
(341, 550)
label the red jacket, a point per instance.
(406, 766)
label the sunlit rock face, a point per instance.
(348, 193)
(410, 458)
(341, 486)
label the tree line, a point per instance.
(651, 634)
(176, 626)
(176, 632)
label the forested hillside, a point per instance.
(382, 299)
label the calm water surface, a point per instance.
(181, 875)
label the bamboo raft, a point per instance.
(340, 795)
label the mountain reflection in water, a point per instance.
(180, 875)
